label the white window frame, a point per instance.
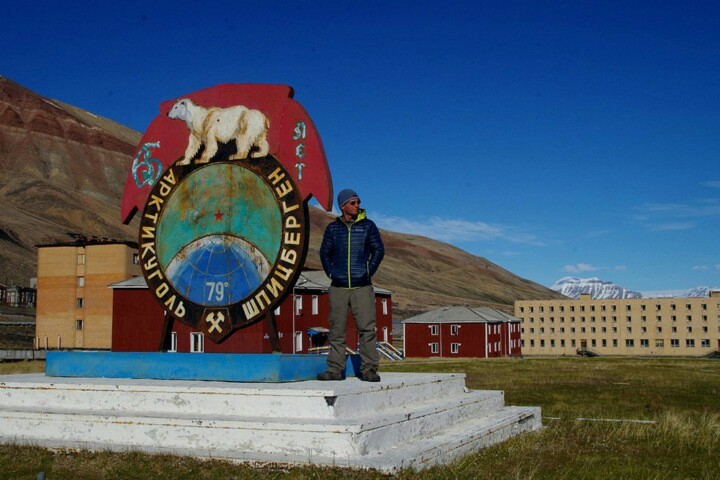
(173, 342)
(384, 304)
(454, 348)
(197, 342)
(81, 281)
(298, 305)
(454, 329)
(79, 324)
(314, 304)
(434, 330)
(434, 347)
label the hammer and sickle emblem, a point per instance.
(215, 320)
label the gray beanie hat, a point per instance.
(345, 196)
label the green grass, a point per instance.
(681, 397)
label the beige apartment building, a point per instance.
(637, 326)
(74, 303)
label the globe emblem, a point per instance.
(217, 270)
(219, 234)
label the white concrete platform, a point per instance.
(406, 420)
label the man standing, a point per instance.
(351, 253)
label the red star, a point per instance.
(218, 216)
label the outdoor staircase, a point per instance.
(584, 352)
(390, 351)
(713, 354)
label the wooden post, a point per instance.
(166, 332)
(272, 331)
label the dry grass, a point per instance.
(680, 396)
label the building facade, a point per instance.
(139, 323)
(74, 303)
(638, 326)
(462, 332)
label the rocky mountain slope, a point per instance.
(62, 171)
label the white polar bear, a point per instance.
(209, 126)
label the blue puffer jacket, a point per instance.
(351, 254)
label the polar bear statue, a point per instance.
(208, 126)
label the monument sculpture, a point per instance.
(224, 219)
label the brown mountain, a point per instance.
(62, 171)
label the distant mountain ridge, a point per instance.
(573, 287)
(62, 172)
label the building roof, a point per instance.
(462, 315)
(308, 280)
(83, 241)
(134, 282)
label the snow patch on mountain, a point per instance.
(573, 287)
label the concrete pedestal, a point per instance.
(407, 420)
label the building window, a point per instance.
(384, 304)
(615, 342)
(135, 259)
(572, 343)
(689, 329)
(690, 343)
(173, 342)
(614, 329)
(81, 259)
(80, 281)
(674, 329)
(454, 347)
(79, 303)
(315, 304)
(434, 330)
(532, 343)
(629, 330)
(674, 343)
(593, 343)
(628, 308)
(604, 342)
(542, 343)
(629, 343)
(562, 343)
(552, 343)
(434, 347)
(298, 305)
(454, 329)
(197, 342)
(79, 324)
(705, 342)
(672, 307)
(644, 343)
(659, 329)
(659, 343)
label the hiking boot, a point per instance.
(370, 376)
(325, 376)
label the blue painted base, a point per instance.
(227, 367)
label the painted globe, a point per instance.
(217, 270)
(219, 234)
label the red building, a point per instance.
(302, 322)
(462, 332)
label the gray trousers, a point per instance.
(361, 301)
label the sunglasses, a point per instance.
(354, 202)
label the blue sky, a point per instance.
(554, 138)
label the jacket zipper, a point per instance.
(348, 257)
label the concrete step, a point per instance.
(310, 399)
(417, 422)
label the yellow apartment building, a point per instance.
(637, 326)
(74, 303)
